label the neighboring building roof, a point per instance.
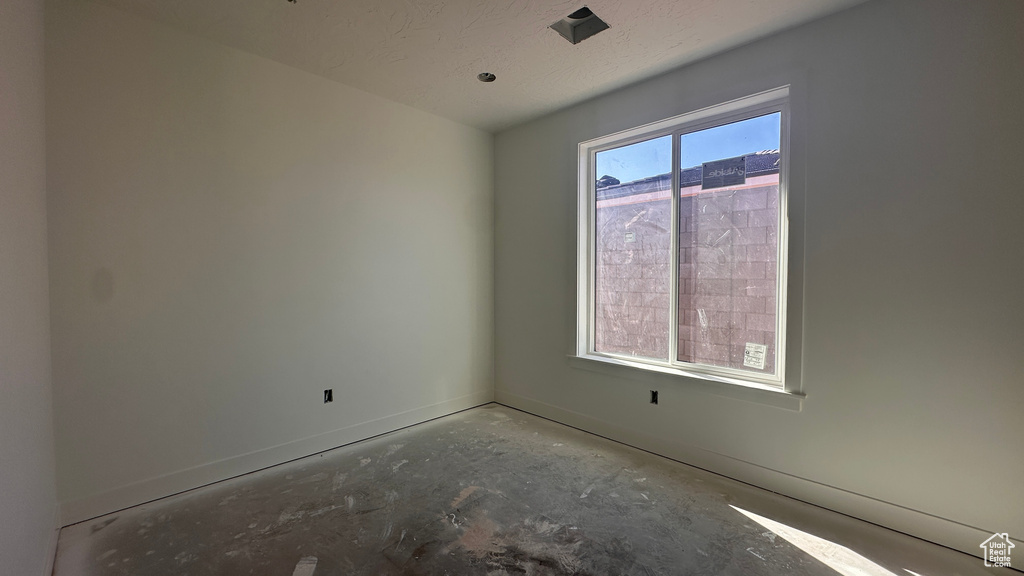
(758, 164)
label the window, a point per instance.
(683, 244)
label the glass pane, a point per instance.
(632, 264)
(728, 245)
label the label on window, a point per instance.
(753, 356)
(728, 172)
(630, 236)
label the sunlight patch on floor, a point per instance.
(839, 558)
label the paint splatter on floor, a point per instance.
(305, 567)
(488, 491)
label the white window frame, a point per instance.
(784, 380)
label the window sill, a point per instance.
(746, 391)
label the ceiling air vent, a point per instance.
(579, 25)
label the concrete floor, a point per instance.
(490, 491)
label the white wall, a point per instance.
(908, 140)
(27, 490)
(229, 237)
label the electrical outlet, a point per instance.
(328, 395)
(654, 396)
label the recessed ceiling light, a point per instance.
(579, 25)
(486, 77)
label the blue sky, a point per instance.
(653, 157)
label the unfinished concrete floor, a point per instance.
(490, 491)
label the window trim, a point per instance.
(785, 380)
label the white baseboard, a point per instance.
(922, 525)
(136, 493)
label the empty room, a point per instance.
(649, 287)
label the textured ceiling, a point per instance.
(427, 53)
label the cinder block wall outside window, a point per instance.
(727, 269)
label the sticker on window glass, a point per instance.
(728, 172)
(753, 356)
(630, 236)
